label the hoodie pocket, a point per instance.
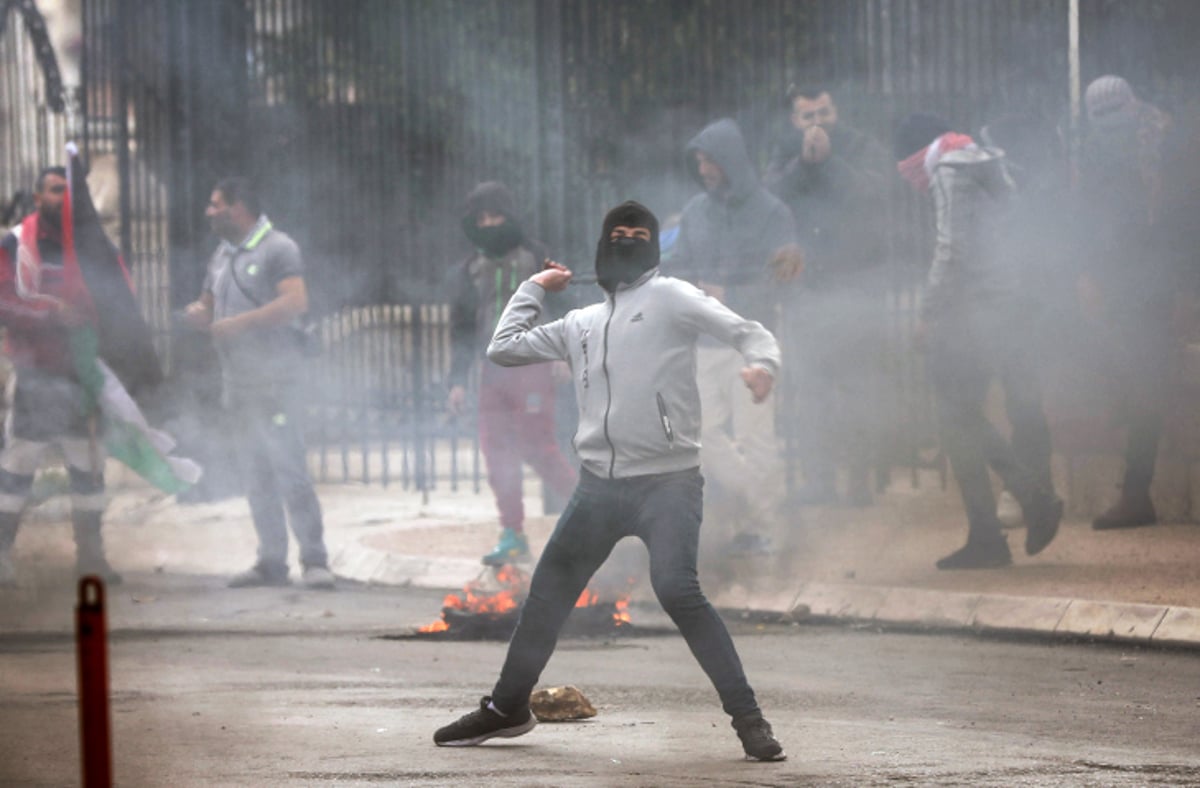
(665, 419)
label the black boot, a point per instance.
(1042, 516)
(8, 535)
(758, 740)
(89, 548)
(980, 552)
(1133, 510)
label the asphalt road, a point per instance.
(272, 687)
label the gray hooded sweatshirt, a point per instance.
(633, 360)
(728, 238)
(970, 191)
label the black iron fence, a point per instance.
(33, 104)
(366, 121)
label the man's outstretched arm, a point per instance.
(518, 339)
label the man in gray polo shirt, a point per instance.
(252, 298)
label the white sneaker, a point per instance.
(1008, 511)
(318, 577)
(8, 572)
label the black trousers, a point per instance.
(965, 356)
(664, 511)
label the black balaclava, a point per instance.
(625, 259)
(497, 240)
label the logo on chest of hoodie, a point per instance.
(636, 318)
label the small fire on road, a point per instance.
(488, 606)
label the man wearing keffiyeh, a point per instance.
(40, 304)
(969, 315)
(1132, 276)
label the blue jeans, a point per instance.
(664, 511)
(275, 469)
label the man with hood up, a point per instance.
(1127, 288)
(516, 406)
(737, 241)
(633, 361)
(969, 316)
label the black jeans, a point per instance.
(664, 511)
(965, 355)
(1139, 367)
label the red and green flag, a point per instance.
(114, 355)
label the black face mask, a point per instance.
(623, 260)
(497, 240)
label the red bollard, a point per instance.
(91, 648)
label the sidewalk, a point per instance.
(873, 565)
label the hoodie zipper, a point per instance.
(665, 419)
(612, 463)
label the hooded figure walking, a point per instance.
(633, 362)
(516, 405)
(970, 316)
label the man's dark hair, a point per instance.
(810, 92)
(237, 188)
(45, 173)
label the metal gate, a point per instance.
(33, 104)
(366, 121)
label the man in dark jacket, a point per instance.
(969, 312)
(516, 405)
(632, 358)
(835, 179)
(738, 243)
(1127, 288)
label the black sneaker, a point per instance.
(482, 724)
(1133, 510)
(258, 576)
(758, 740)
(978, 554)
(1042, 523)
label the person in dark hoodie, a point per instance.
(1129, 283)
(516, 406)
(970, 314)
(633, 362)
(737, 242)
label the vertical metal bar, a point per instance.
(121, 25)
(419, 445)
(1073, 85)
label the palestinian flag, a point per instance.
(114, 355)
(124, 338)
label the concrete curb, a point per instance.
(913, 608)
(904, 608)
